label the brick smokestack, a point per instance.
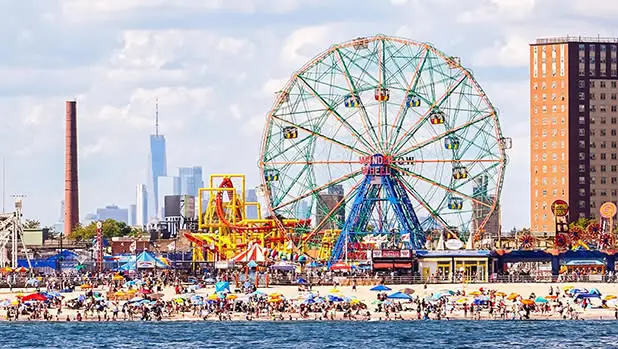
(71, 190)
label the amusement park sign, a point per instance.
(560, 208)
(379, 165)
(391, 253)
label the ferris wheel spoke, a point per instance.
(347, 197)
(333, 112)
(440, 136)
(410, 132)
(439, 185)
(311, 162)
(399, 118)
(317, 134)
(319, 189)
(419, 198)
(352, 90)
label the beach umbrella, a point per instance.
(6, 270)
(136, 299)
(258, 293)
(231, 296)
(32, 282)
(512, 296)
(212, 297)
(21, 270)
(332, 298)
(566, 288)
(475, 293)
(117, 277)
(595, 291)
(275, 295)
(38, 297)
(540, 300)
(407, 291)
(334, 290)
(222, 286)
(301, 281)
(462, 300)
(399, 295)
(609, 297)
(500, 294)
(380, 288)
(527, 301)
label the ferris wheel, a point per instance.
(378, 136)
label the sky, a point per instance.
(215, 66)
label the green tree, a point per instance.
(110, 229)
(582, 222)
(31, 224)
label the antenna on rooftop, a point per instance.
(157, 117)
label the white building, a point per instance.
(141, 203)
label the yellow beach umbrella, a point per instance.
(231, 296)
(334, 290)
(566, 288)
(609, 297)
(462, 300)
(212, 297)
(117, 277)
(500, 294)
(475, 293)
(275, 295)
(119, 294)
(512, 296)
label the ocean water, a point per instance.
(413, 334)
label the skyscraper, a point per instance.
(113, 212)
(157, 167)
(573, 112)
(141, 219)
(167, 186)
(191, 180)
(132, 214)
(252, 211)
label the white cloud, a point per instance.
(498, 11)
(510, 52)
(215, 67)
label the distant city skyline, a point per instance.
(216, 82)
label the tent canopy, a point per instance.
(255, 253)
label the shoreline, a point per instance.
(407, 310)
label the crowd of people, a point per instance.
(166, 295)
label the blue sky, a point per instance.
(215, 64)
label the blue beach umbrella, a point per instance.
(222, 286)
(380, 288)
(399, 295)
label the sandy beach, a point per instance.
(362, 294)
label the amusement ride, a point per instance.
(378, 142)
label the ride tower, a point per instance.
(380, 191)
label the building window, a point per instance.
(603, 84)
(582, 144)
(582, 120)
(603, 96)
(603, 168)
(603, 131)
(614, 156)
(613, 132)
(582, 108)
(582, 156)
(603, 180)
(582, 180)
(582, 83)
(582, 132)
(613, 168)
(582, 168)
(582, 192)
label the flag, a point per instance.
(133, 246)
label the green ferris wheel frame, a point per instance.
(384, 95)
